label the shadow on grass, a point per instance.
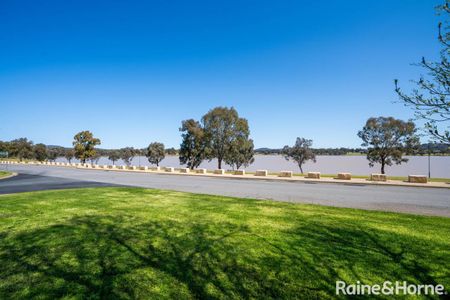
(115, 257)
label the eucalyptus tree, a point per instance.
(155, 153)
(52, 154)
(40, 152)
(95, 158)
(300, 152)
(21, 148)
(240, 153)
(127, 154)
(388, 139)
(84, 145)
(193, 148)
(223, 128)
(69, 154)
(114, 156)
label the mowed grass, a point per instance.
(151, 244)
(4, 173)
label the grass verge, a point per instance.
(140, 243)
(4, 173)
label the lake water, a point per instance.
(326, 164)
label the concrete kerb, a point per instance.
(9, 176)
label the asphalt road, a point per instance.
(426, 201)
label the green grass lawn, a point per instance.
(4, 173)
(140, 243)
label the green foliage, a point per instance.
(114, 156)
(21, 148)
(127, 154)
(301, 152)
(84, 145)
(225, 131)
(171, 151)
(193, 148)
(130, 243)
(155, 153)
(430, 100)
(240, 153)
(222, 135)
(40, 152)
(388, 140)
(69, 154)
(4, 173)
(4, 146)
(95, 158)
(52, 154)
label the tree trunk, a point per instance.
(301, 169)
(219, 163)
(382, 165)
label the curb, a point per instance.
(9, 176)
(284, 179)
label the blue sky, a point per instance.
(130, 71)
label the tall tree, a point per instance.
(388, 140)
(127, 154)
(52, 154)
(95, 158)
(193, 148)
(40, 152)
(21, 148)
(301, 152)
(241, 153)
(114, 156)
(84, 145)
(223, 127)
(155, 153)
(431, 99)
(5, 146)
(69, 154)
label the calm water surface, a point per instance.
(327, 164)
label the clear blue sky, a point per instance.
(130, 71)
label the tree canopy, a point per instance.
(84, 145)
(240, 153)
(155, 153)
(21, 148)
(69, 154)
(127, 154)
(40, 152)
(224, 132)
(388, 140)
(114, 156)
(301, 152)
(193, 148)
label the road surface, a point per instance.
(425, 201)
